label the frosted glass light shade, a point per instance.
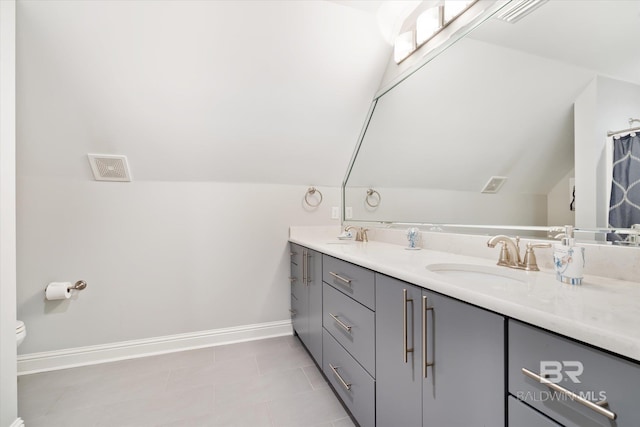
(404, 46)
(427, 24)
(452, 8)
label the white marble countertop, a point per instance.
(602, 312)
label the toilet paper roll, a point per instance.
(58, 291)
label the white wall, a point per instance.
(228, 91)
(227, 112)
(159, 258)
(8, 392)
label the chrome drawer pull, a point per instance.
(337, 276)
(405, 300)
(293, 253)
(304, 267)
(293, 312)
(335, 372)
(345, 327)
(598, 407)
(425, 363)
(293, 279)
(308, 274)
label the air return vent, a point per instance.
(109, 167)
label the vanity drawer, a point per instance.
(352, 280)
(521, 415)
(583, 370)
(353, 326)
(353, 384)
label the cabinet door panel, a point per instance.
(466, 346)
(521, 415)
(314, 287)
(398, 383)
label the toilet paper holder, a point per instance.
(79, 285)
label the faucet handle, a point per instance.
(505, 256)
(530, 263)
(365, 238)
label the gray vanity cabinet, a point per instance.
(306, 298)
(464, 382)
(576, 377)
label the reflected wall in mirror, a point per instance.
(531, 101)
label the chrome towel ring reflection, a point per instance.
(373, 198)
(310, 192)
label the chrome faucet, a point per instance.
(510, 252)
(361, 233)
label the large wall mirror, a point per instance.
(507, 127)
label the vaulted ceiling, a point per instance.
(242, 91)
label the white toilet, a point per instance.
(21, 332)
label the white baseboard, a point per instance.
(91, 355)
(17, 423)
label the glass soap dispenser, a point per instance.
(568, 259)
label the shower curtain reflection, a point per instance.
(624, 206)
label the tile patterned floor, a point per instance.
(270, 383)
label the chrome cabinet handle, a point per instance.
(598, 407)
(293, 253)
(405, 300)
(304, 267)
(293, 312)
(425, 364)
(346, 385)
(337, 276)
(293, 279)
(308, 275)
(345, 327)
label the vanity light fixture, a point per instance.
(453, 8)
(518, 9)
(427, 25)
(404, 46)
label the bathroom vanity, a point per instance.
(418, 338)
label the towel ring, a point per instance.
(310, 192)
(370, 197)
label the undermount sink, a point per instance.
(472, 273)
